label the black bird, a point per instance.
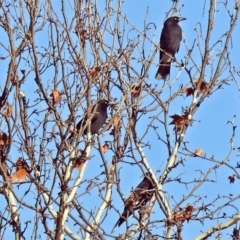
(170, 39)
(138, 199)
(96, 117)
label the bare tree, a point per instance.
(58, 58)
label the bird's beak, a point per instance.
(181, 19)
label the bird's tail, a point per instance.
(115, 226)
(122, 219)
(163, 71)
(119, 223)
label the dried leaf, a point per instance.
(179, 217)
(8, 111)
(22, 169)
(4, 139)
(14, 79)
(231, 179)
(56, 96)
(22, 164)
(104, 148)
(236, 233)
(79, 26)
(183, 215)
(189, 208)
(198, 152)
(202, 85)
(83, 37)
(80, 160)
(81, 32)
(94, 73)
(115, 121)
(179, 121)
(19, 175)
(136, 90)
(188, 91)
(4, 143)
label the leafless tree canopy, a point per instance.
(58, 58)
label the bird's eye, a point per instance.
(106, 102)
(176, 18)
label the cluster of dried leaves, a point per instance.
(94, 73)
(180, 121)
(80, 160)
(236, 235)
(8, 110)
(81, 32)
(136, 90)
(22, 169)
(181, 216)
(201, 84)
(56, 96)
(4, 144)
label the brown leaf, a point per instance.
(136, 90)
(81, 32)
(22, 164)
(22, 169)
(56, 96)
(202, 85)
(198, 152)
(179, 121)
(104, 148)
(4, 139)
(183, 215)
(19, 175)
(14, 79)
(79, 26)
(179, 217)
(94, 73)
(8, 110)
(80, 160)
(236, 233)
(4, 143)
(115, 121)
(231, 179)
(83, 36)
(188, 91)
(189, 208)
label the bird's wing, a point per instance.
(139, 194)
(82, 122)
(136, 200)
(94, 117)
(170, 39)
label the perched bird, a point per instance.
(138, 199)
(170, 39)
(96, 117)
